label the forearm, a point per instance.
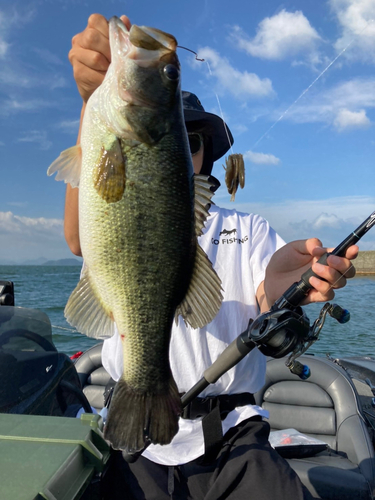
(263, 302)
(71, 216)
(71, 221)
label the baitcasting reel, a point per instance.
(279, 332)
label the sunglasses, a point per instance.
(195, 142)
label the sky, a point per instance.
(294, 81)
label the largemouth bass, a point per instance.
(140, 212)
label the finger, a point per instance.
(88, 58)
(99, 23)
(92, 39)
(318, 251)
(306, 247)
(352, 252)
(322, 289)
(334, 278)
(342, 265)
(322, 292)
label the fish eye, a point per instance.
(171, 72)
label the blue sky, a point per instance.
(309, 160)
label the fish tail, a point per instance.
(136, 417)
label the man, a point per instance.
(255, 268)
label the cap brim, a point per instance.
(214, 127)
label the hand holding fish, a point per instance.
(291, 261)
(90, 54)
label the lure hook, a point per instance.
(192, 51)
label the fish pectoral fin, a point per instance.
(86, 312)
(203, 194)
(68, 166)
(109, 172)
(203, 299)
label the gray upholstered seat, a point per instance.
(93, 376)
(326, 407)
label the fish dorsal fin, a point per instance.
(68, 166)
(203, 299)
(86, 312)
(203, 195)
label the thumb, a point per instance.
(126, 21)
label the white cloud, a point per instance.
(29, 238)
(356, 19)
(326, 220)
(261, 158)
(347, 119)
(15, 76)
(298, 219)
(279, 37)
(10, 223)
(342, 105)
(48, 56)
(12, 105)
(38, 137)
(3, 48)
(19, 204)
(69, 126)
(239, 128)
(239, 84)
(8, 21)
(4, 45)
(19, 73)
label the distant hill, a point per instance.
(6, 262)
(62, 262)
(35, 262)
(42, 261)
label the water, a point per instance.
(48, 289)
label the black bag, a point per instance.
(35, 379)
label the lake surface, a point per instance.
(48, 289)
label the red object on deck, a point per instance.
(76, 355)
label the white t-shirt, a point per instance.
(239, 247)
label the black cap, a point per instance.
(211, 125)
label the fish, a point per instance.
(234, 173)
(141, 210)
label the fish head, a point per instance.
(146, 73)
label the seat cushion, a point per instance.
(331, 476)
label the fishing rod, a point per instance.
(284, 329)
(298, 291)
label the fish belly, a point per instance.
(139, 252)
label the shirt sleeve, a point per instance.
(264, 243)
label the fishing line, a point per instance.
(217, 97)
(221, 111)
(67, 329)
(332, 287)
(316, 79)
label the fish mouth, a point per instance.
(140, 43)
(145, 46)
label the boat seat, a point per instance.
(93, 376)
(325, 407)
